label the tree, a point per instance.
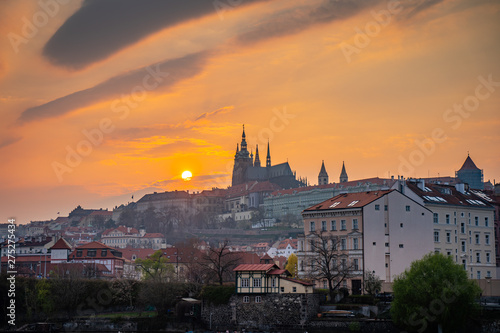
(219, 263)
(328, 261)
(291, 265)
(434, 293)
(372, 283)
(156, 267)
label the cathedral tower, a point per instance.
(343, 174)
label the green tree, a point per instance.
(156, 267)
(291, 265)
(372, 283)
(434, 294)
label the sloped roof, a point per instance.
(153, 235)
(447, 195)
(299, 282)
(128, 253)
(164, 196)
(349, 200)
(278, 271)
(61, 244)
(123, 229)
(94, 245)
(469, 165)
(255, 267)
(251, 187)
(322, 172)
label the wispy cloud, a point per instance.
(10, 140)
(167, 73)
(222, 110)
(101, 28)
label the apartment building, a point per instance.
(463, 224)
(381, 231)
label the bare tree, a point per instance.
(329, 260)
(220, 262)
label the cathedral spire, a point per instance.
(237, 150)
(343, 174)
(268, 158)
(243, 140)
(257, 158)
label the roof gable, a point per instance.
(349, 200)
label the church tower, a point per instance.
(242, 160)
(343, 174)
(268, 158)
(323, 175)
(257, 159)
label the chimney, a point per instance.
(460, 188)
(421, 184)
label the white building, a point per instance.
(380, 231)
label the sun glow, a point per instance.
(187, 175)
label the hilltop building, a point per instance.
(323, 175)
(246, 169)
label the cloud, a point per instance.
(161, 75)
(224, 109)
(101, 28)
(9, 141)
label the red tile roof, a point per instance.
(447, 195)
(94, 245)
(128, 253)
(349, 200)
(298, 281)
(278, 272)
(255, 267)
(123, 229)
(61, 244)
(154, 235)
(251, 187)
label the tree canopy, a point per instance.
(156, 267)
(434, 293)
(291, 265)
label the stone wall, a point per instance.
(275, 310)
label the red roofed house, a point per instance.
(381, 231)
(98, 253)
(60, 251)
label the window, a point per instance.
(377, 207)
(401, 246)
(344, 263)
(78, 253)
(343, 244)
(448, 237)
(486, 222)
(312, 226)
(488, 257)
(104, 253)
(436, 236)
(282, 289)
(401, 225)
(447, 218)
(245, 283)
(386, 244)
(478, 275)
(477, 238)
(455, 220)
(355, 243)
(487, 239)
(356, 264)
(386, 207)
(294, 289)
(258, 299)
(257, 282)
(273, 281)
(91, 253)
(333, 226)
(355, 224)
(488, 274)
(462, 228)
(246, 299)
(436, 217)
(463, 246)
(478, 257)
(323, 225)
(407, 208)
(476, 221)
(374, 243)
(343, 225)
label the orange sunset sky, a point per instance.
(164, 86)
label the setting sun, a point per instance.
(186, 175)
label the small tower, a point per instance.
(343, 174)
(268, 158)
(142, 230)
(323, 175)
(470, 174)
(257, 158)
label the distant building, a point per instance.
(96, 253)
(280, 203)
(246, 169)
(122, 237)
(343, 175)
(470, 174)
